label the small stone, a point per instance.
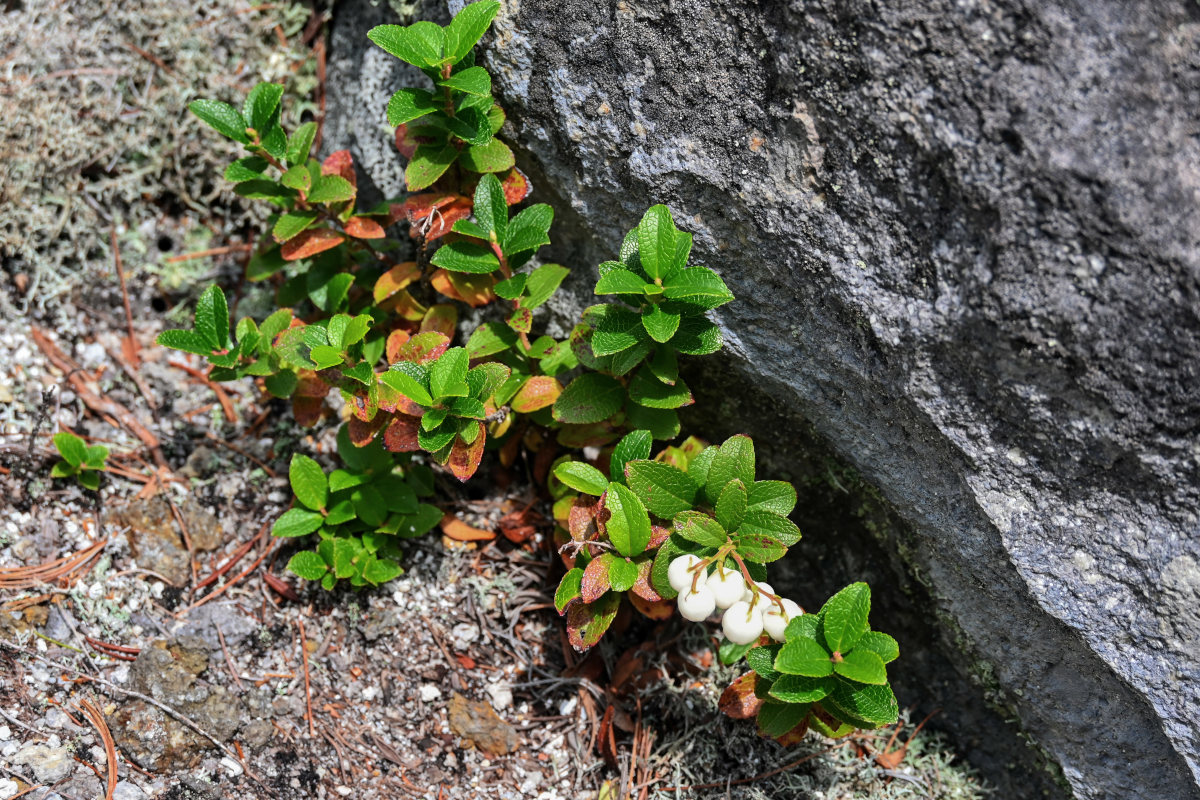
(501, 694)
(128, 791)
(49, 764)
(429, 693)
(478, 725)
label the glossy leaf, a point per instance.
(629, 526)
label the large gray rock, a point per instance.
(965, 241)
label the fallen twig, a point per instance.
(66, 569)
(132, 349)
(307, 684)
(110, 747)
(212, 251)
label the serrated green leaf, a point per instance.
(656, 242)
(88, 480)
(466, 257)
(629, 526)
(730, 653)
(274, 141)
(261, 105)
(698, 283)
(700, 528)
(471, 125)
(844, 617)
(697, 336)
(880, 644)
(467, 27)
(591, 397)
(863, 706)
(300, 143)
(495, 156)
(733, 459)
(308, 482)
(491, 209)
(616, 329)
(409, 104)
(762, 661)
(620, 281)
(863, 666)
(634, 445)
(246, 169)
(292, 224)
(410, 380)
(665, 490)
(448, 375)
(662, 423)
(582, 477)
(699, 467)
(330, 189)
(776, 719)
(428, 164)
(777, 497)
(660, 323)
(420, 45)
(308, 565)
(731, 505)
(473, 80)
(773, 526)
(95, 456)
(542, 283)
(649, 391)
(622, 574)
(490, 338)
(377, 571)
(222, 117)
(511, 288)
(800, 689)
(757, 548)
(296, 522)
(529, 230)
(212, 318)
(569, 588)
(804, 656)
(71, 447)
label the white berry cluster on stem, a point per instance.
(750, 609)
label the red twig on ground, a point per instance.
(307, 684)
(110, 747)
(212, 251)
(130, 347)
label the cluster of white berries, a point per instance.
(747, 612)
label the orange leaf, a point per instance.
(406, 143)
(460, 531)
(516, 186)
(642, 587)
(441, 318)
(364, 228)
(395, 341)
(395, 279)
(309, 384)
(432, 214)
(424, 347)
(537, 392)
(340, 163)
(652, 609)
(738, 701)
(403, 304)
(400, 436)
(474, 290)
(361, 433)
(464, 458)
(311, 242)
(307, 410)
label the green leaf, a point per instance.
(591, 397)
(95, 456)
(616, 329)
(699, 467)
(542, 283)
(222, 117)
(665, 490)
(776, 719)
(330, 189)
(620, 281)
(629, 526)
(662, 423)
(448, 375)
(734, 459)
(473, 80)
(470, 125)
(731, 505)
(698, 283)
(427, 165)
(697, 336)
(511, 288)
(777, 497)
(495, 156)
(301, 143)
(296, 522)
(420, 45)
(529, 230)
(71, 447)
(274, 141)
(89, 480)
(569, 588)
(261, 105)
(700, 528)
(467, 27)
(799, 689)
(660, 323)
(762, 661)
(308, 565)
(647, 390)
(466, 257)
(880, 644)
(844, 617)
(862, 666)
(803, 656)
(292, 224)
(308, 482)
(662, 563)
(410, 380)
(491, 209)
(409, 104)
(425, 520)
(246, 169)
(582, 477)
(656, 242)
(757, 548)
(664, 365)
(62, 469)
(622, 574)
(730, 653)
(773, 526)
(634, 445)
(380, 570)
(490, 338)
(862, 706)
(345, 551)
(212, 318)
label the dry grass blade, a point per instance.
(65, 569)
(110, 747)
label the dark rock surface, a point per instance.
(965, 241)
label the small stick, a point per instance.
(307, 684)
(212, 251)
(223, 587)
(110, 747)
(229, 659)
(116, 248)
(187, 539)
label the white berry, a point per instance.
(679, 572)
(727, 586)
(776, 619)
(697, 605)
(763, 588)
(741, 623)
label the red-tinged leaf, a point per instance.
(595, 578)
(361, 407)
(474, 290)
(400, 436)
(363, 432)
(395, 341)
(406, 143)
(309, 384)
(642, 587)
(441, 221)
(364, 228)
(738, 701)
(652, 609)
(406, 406)
(441, 318)
(516, 186)
(307, 410)
(658, 535)
(309, 243)
(465, 458)
(460, 531)
(581, 520)
(587, 622)
(424, 347)
(795, 735)
(280, 587)
(395, 279)
(395, 213)
(537, 392)
(606, 739)
(405, 306)
(340, 163)
(521, 320)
